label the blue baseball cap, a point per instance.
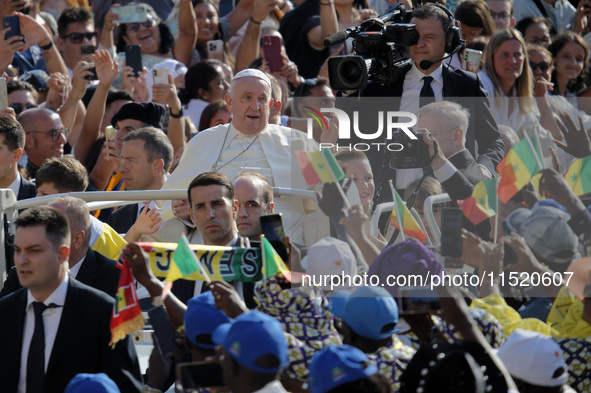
(92, 383)
(370, 312)
(250, 336)
(336, 365)
(337, 301)
(202, 318)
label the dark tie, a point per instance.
(427, 93)
(36, 359)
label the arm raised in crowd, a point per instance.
(329, 24)
(239, 15)
(36, 34)
(8, 47)
(335, 207)
(167, 95)
(248, 50)
(106, 70)
(185, 44)
(106, 34)
(66, 99)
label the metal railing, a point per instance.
(9, 206)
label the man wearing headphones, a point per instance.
(430, 80)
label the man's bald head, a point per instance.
(30, 118)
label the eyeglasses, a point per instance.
(134, 27)
(18, 107)
(77, 38)
(544, 66)
(538, 41)
(502, 16)
(55, 133)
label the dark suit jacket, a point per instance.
(27, 189)
(81, 344)
(123, 218)
(459, 86)
(96, 271)
(461, 185)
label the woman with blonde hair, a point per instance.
(509, 82)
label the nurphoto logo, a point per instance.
(393, 120)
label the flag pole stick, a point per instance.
(346, 201)
(537, 134)
(534, 152)
(497, 215)
(398, 218)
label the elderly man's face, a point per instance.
(442, 131)
(250, 103)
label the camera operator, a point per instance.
(429, 80)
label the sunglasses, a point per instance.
(77, 38)
(55, 133)
(134, 27)
(18, 107)
(544, 66)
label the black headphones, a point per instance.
(453, 35)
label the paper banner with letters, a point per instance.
(222, 263)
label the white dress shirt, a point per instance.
(51, 321)
(16, 185)
(74, 270)
(411, 93)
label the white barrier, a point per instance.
(9, 206)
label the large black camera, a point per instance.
(414, 154)
(381, 47)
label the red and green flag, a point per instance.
(410, 226)
(272, 262)
(319, 166)
(483, 202)
(522, 162)
(578, 176)
(127, 314)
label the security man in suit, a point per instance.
(56, 327)
(85, 264)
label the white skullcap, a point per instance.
(252, 72)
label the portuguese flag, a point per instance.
(578, 176)
(410, 226)
(483, 202)
(319, 167)
(518, 167)
(127, 314)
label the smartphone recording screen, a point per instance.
(272, 228)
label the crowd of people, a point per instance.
(246, 85)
